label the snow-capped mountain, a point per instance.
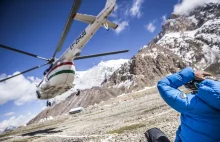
(195, 37)
(146, 68)
(96, 75)
(9, 128)
(192, 40)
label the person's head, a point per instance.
(193, 86)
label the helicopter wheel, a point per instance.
(48, 103)
(78, 92)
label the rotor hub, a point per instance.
(51, 60)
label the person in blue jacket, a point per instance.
(200, 112)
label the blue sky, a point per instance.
(36, 26)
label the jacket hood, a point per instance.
(209, 92)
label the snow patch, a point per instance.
(126, 84)
(193, 19)
(211, 22)
(46, 119)
(209, 54)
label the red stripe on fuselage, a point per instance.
(66, 63)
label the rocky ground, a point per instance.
(124, 118)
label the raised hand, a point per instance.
(200, 75)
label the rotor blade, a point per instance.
(24, 72)
(69, 22)
(23, 52)
(102, 54)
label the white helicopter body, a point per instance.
(60, 76)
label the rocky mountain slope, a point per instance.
(146, 68)
(195, 38)
(192, 40)
(86, 98)
(184, 40)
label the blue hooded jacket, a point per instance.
(200, 113)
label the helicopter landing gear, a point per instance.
(38, 94)
(78, 92)
(105, 25)
(48, 103)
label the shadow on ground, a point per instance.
(45, 131)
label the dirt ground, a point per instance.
(121, 119)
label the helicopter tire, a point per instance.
(78, 92)
(48, 104)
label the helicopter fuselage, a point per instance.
(60, 76)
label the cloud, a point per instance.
(19, 89)
(16, 121)
(9, 114)
(121, 26)
(135, 9)
(186, 6)
(150, 27)
(124, 12)
(164, 19)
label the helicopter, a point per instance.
(59, 77)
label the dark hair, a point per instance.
(193, 86)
